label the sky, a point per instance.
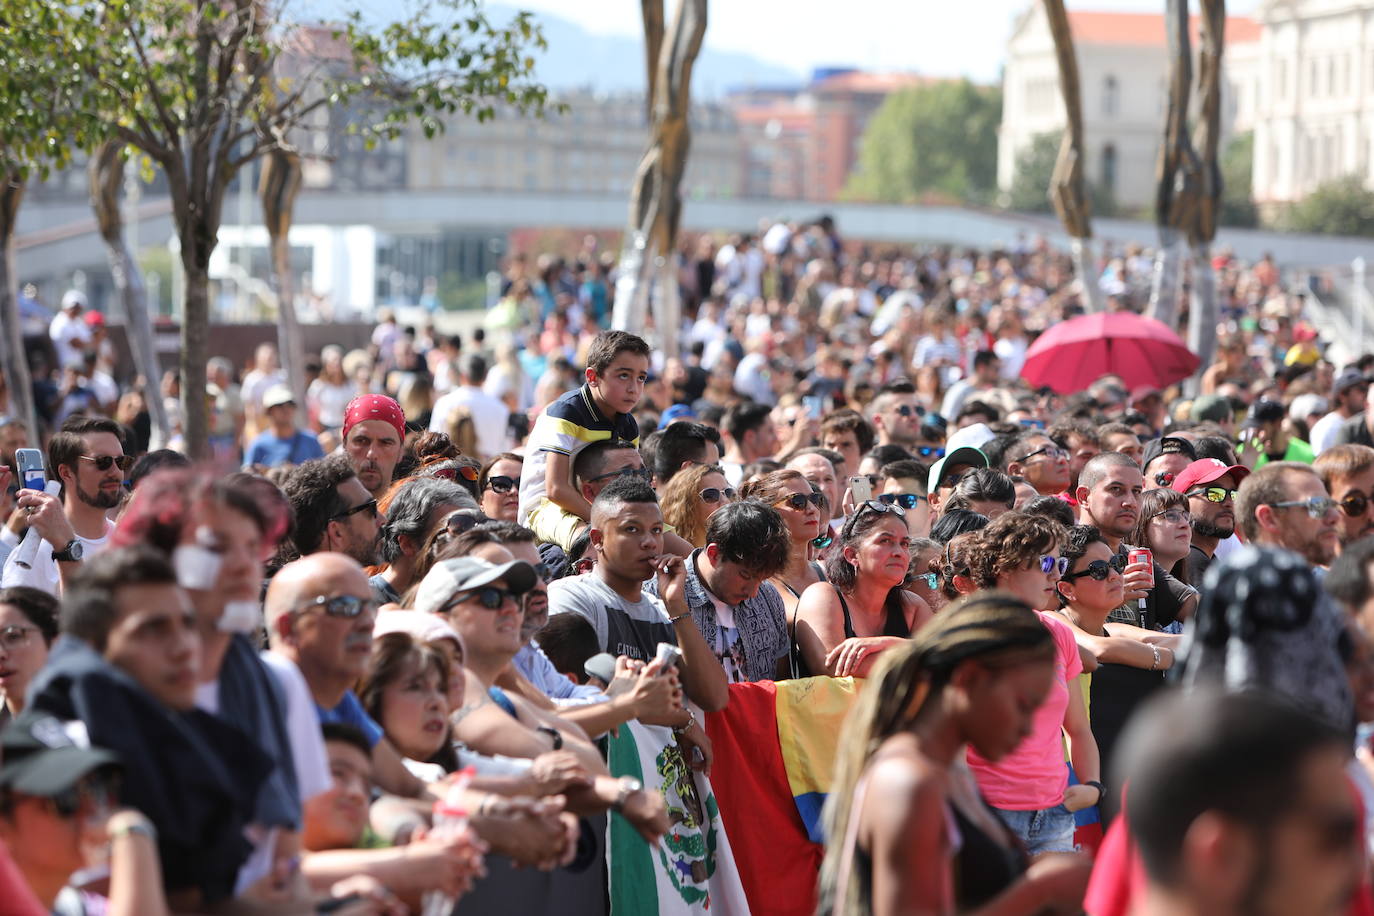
(933, 37)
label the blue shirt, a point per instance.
(536, 667)
(269, 451)
(351, 712)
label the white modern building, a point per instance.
(1316, 123)
(1123, 75)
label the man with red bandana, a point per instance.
(374, 431)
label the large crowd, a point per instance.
(454, 634)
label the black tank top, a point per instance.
(894, 625)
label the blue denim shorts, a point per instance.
(1046, 830)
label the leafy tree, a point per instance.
(940, 138)
(1343, 206)
(200, 88)
(1237, 196)
(1030, 183)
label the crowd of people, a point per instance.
(372, 653)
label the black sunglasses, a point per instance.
(104, 462)
(1354, 505)
(905, 500)
(345, 606)
(715, 494)
(369, 506)
(798, 501)
(503, 484)
(907, 410)
(490, 597)
(642, 473)
(461, 520)
(1099, 569)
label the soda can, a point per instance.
(1140, 555)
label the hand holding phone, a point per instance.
(862, 488)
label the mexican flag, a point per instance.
(691, 870)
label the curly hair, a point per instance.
(1010, 542)
(680, 500)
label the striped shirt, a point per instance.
(566, 427)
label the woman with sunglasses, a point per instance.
(1128, 669)
(691, 497)
(1029, 788)
(847, 622)
(799, 504)
(498, 487)
(923, 575)
(1165, 526)
(907, 829)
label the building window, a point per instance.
(1109, 168)
(1110, 96)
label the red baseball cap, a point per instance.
(94, 319)
(1207, 470)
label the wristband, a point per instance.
(686, 613)
(1155, 665)
(142, 828)
(1101, 789)
(554, 734)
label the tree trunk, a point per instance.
(277, 189)
(656, 204)
(106, 175)
(1068, 187)
(1202, 309)
(12, 359)
(1166, 281)
(195, 328)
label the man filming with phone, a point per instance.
(87, 458)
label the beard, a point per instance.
(99, 499)
(367, 551)
(1204, 528)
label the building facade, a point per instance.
(1123, 77)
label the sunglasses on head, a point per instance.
(798, 501)
(503, 484)
(462, 520)
(345, 606)
(369, 506)
(905, 500)
(1100, 569)
(1213, 494)
(1165, 478)
(716, 494)
(1049, 564)
(105, 462)
(871, 505)
(490, 597)
(642, 473)
(465, 471)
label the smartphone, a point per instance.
(815, 406)
(862, 488)
(669, 654)
(1033, 423)
(30, 464)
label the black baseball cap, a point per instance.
(44, 756)
(1169, 445)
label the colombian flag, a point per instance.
(774, 749)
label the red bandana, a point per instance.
(374, 407)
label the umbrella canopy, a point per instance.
(1073, 354)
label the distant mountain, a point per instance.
(611, 63)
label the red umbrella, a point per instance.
(1073, 354)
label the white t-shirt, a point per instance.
(1324, 432)
(63, 331)
(43, 572)
(489, 417)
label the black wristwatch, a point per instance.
(554, 734)
(69, 554)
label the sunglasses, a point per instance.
(462, 520)
(345, 606)
(369, 506)
(871, 505)
(641, 473)
(1174, 516)
(1213, 494)
(490, 597)
(907, 501)
(465, 471)
(1099, 569)
(1317, 506)
(823, 541)
(503, 484)
(929, 451)
(1165, 478)
(798, 501)
(1049, 564)
(1355, 504)
(100, 790)
(716, 494)
(1052, 452)
(105, 462)
(932, 580)
(907, 410)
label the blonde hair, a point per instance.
(994, 628)
(680, 499)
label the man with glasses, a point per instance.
(896, 417)
(1165, 459)
(946, 473)
(1044, 465)
(1284, 504)
(334, 512)
(1210, 485)
(1348, 474)
(904, 484)
(87, 458)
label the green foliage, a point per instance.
(939, 139)
(1237, 194)
(1030, 183)
(1343, 206)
